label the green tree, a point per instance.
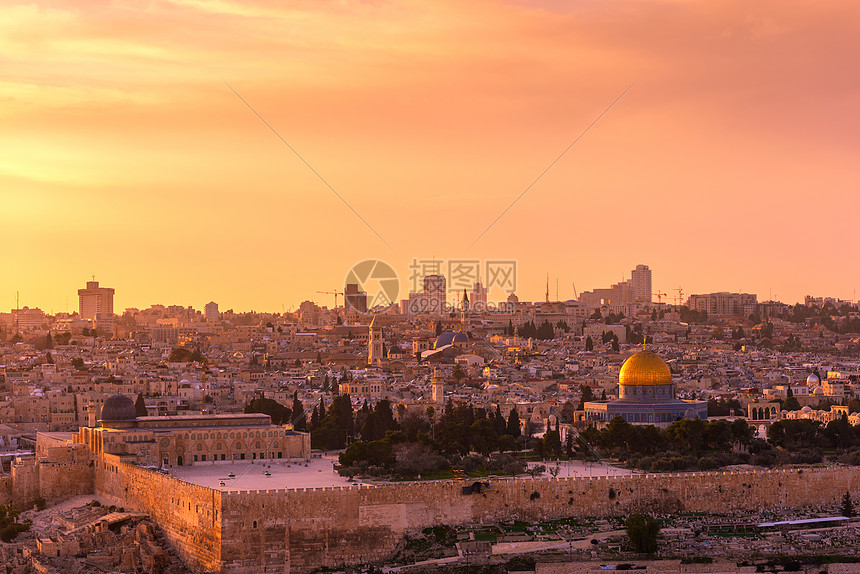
(589, 344)
(586, 396)
(315, 419)
(742, 432)
(790, 404)
(847, 506)
(140, 406)
(279, 413)
(300, 419)
(179, 355)
(458, 373)
(642, 530)
(513, 426)
(793, 434)
(78, 363)
(337, 427)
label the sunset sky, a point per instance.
(733, 163)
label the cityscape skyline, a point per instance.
(452, 298)
(501, 285)
(132, 160)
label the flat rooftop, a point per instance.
(249, 475)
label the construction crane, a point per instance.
(659, 296)
(680, 298)
(335, 293)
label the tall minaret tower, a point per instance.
(375, 339)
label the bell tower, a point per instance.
(438, 387)
(375, 340)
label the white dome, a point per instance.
(806, 409)
(812, 379)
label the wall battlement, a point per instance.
(296, 530)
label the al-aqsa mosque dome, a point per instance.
(118, 408)
(646, 395)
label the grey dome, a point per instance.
(449, 338)
(118, 408)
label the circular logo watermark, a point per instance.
(371, 283)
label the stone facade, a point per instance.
(190, 515)
(297, 530)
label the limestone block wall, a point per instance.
(64, 471)
(5, 489)
(25, 483)
(297, 530)
(189, 514)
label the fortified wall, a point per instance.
(189, 514)
(290, 531)
(298, 530)
(55, 472)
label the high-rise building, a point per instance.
(211, 311)
(640, 282)
(637, 289)
(723, 303)
(355, 298)
(434, 290)
(479, 298)
(95, 300)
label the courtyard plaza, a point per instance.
(318, 472)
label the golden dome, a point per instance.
(645, 368)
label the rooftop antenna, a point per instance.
(547, 287)
(556, 289)
(17, 318)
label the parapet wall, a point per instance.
(189, 514)
(298, 530)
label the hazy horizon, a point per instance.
(730, 165)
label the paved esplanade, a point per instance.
(320, 473)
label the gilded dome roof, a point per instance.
(645, 368)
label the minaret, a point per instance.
(374, 344)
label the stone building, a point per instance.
(189, 439)
(646, 395)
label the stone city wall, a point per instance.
(64, 472)
(25, 482)
(298, 530)
(189, 514)
(5, 489)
